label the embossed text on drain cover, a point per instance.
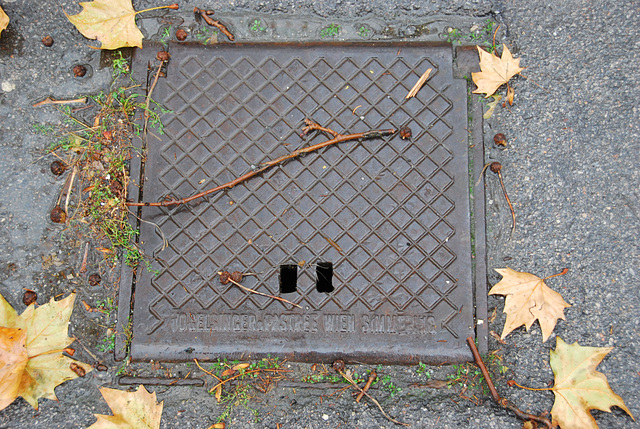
(371, 238)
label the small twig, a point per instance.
(494, 393)
(372, 378)
(153, 85)
(210, 373)
(83, 266)
(50, 100)
(338, 138)
(334, 244)
(240, 374)
(260, 293)
(419, 84)
(494, 38)
(66, 201)
(496, 167)
(387, 416)
(86, 349)
(214, 23)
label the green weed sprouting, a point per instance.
(331, 31)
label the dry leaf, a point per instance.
(240, 366)
(228, 372)
(135, 410)
(112, 22)
(492, 106)
(218, 393)
(31, 345)
(4, 20)
(528, 299)
(495, 71)
(579, 387)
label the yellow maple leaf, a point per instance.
(494, 71)
(579, 387)
(130, 410)
(4, 20)
(112, 22)
(31, 345)
(528, 299)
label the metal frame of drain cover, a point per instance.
(391, 215)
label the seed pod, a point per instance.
(80, 372)
(95, 279)
(79, 70)
(101, 367)
(236, 276)
(58, 215)
(338, 365)
(500, 140)
(47, 41)
(405, 133)
(163, 56)
(29, 297)
(58, 167)
(181, 34)
(495, 167)
(224, 277)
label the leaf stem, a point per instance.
(512, 382)
(564, 271)
(171, 6)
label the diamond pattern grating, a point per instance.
(391, 215)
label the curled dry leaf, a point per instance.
(528, 299)
(579, 387)
(492, 106)
(4, 20)
(130, 410)
(31, 346)
(494, 71)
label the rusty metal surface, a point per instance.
(391, 216)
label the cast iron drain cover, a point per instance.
(370, 238)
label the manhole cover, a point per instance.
(372, 239)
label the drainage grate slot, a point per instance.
(324, 277)
(288, 278)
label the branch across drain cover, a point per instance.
(371, 238)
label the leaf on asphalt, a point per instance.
(494, 71)
(528, 299)
(112, 22)
(4, 20)
(135, 410)
(579, 387)
(492, 106)
(31, 345)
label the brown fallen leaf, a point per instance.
(240, 366)
(528, 299)
(228, 372)
(4, 20)
(578, 387)
(31, 346)
(130, 410)
(112, 22)
(494, 71)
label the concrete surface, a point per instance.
(570, 169)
